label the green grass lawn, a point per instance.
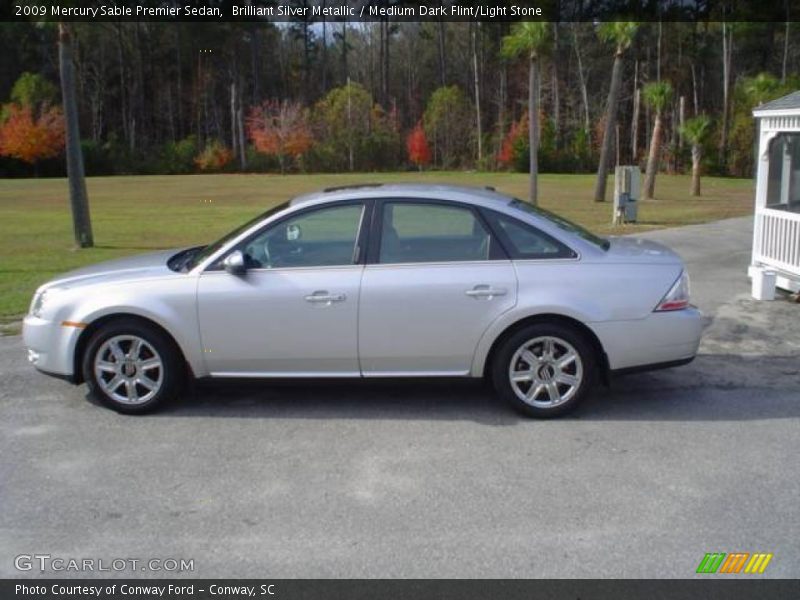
(137, 214)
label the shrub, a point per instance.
(179, 157)
(214, 157)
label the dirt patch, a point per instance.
(748, 327)
(10, 326)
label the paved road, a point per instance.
(433, 480)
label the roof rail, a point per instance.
(354, 186)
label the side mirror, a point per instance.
(234, 263)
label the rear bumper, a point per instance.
(50, 346)
(662, 339)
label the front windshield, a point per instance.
(204, 253)
(561, 223)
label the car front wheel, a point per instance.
(131, 367)
(544, 370)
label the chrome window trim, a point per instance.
(290, 269)
(575, 258)
(442, 263)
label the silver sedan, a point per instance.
(374, 281)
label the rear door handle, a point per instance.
(323, 296)
(485, 291)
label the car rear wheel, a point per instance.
(544, 370)
(131, 367)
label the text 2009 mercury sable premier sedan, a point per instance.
(374, 281)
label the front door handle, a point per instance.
(485, 291)
(325, 297)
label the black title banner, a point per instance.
(299, 589)
(397, 10)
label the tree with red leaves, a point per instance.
(515, 135)
(417, 145)
(506, 154)
(280, 129)
(31, 137)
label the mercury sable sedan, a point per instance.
(374, 281)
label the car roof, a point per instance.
(485, 196)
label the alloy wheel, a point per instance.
(545, 372)
(128, 369)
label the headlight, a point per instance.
(39, 301)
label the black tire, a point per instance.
(121, 334)
(547, 372)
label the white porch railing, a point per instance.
(777, 240)
(780, 123)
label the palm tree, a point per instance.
(78, 198)
(531, 39)
(696, 131)
(657, 95)
(621, 34)
(761, 88)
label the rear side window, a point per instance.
(414, 232)
(525, 241)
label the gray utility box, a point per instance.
(627, 183)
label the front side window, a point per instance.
(198, 256)
(322, 237)
(414, 232)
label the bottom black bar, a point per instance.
(416, 589)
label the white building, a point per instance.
(776, 234)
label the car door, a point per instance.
(435, 280)
(294, 312)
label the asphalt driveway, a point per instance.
(433, 479)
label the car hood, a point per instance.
(633, 249)
(131, 268)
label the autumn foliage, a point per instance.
(31, 137)
(214, 157)
(519, 129)
(417, 145)
(280, 129)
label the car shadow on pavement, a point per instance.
(405, 399)
(715, 387)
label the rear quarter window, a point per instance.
(524, 241)
(560, 222)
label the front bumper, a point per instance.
(51, 346)
(660, 338)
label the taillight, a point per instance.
(677, 297)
